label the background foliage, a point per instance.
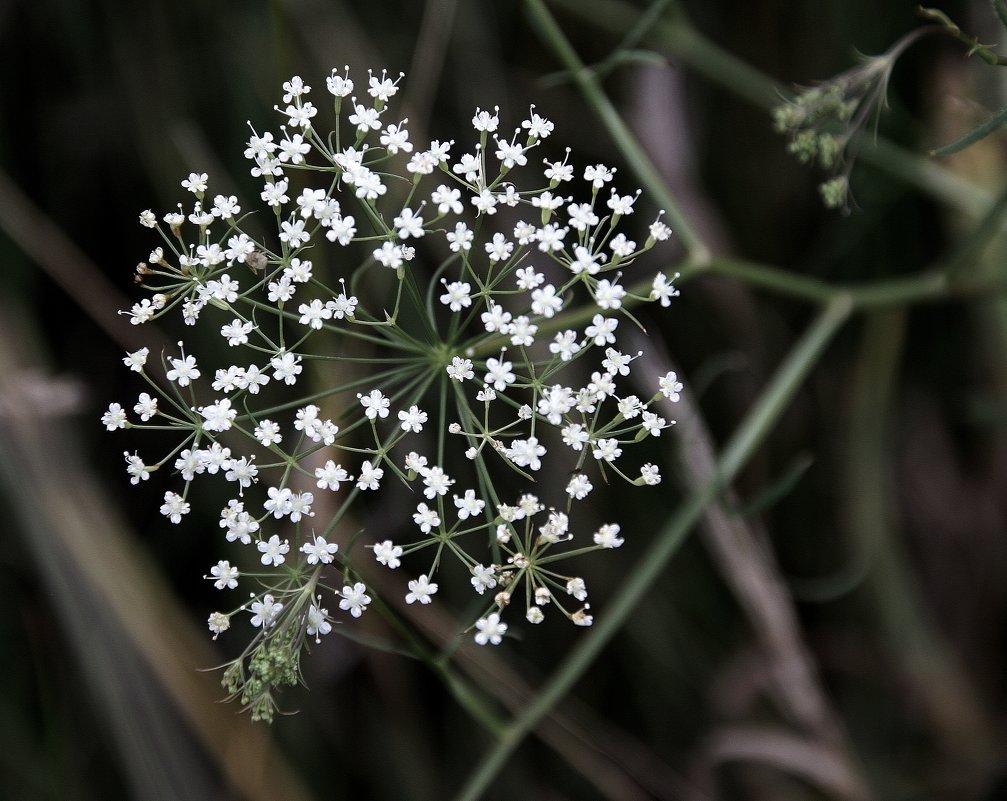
(833, 623)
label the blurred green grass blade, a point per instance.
(995, 122)
(779, 489)
(1000, 7)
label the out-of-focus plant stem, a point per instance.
(895, 600)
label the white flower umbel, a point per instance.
(350, 357)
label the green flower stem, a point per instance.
(623, 138)
(930, 285)
(975, 47)
(752, 432)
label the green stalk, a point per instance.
(623, 138)
(749, 436)
(930, 285)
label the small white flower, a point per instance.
(265, 612)
(468, 505)
(286, 367)
(484, 121)
(457, 295)
(499, 374)
(314, 314)
(136, 360)
(319, 551)
(408, 224)
(316, 623)
(218, 623)
(608, 536)
(375, 404)
(390, 255)
(460, 369)
(218, 416)
(659, 232)
(536, 126)
(268, 433)
(461, 238)
(602, 330)
(388, 554)
(599, 175)
(608, 295)
(485, 202)
(331, 475)
(174, 507)
(412, 420)
(225, 575)
(483, 578)
(579, 486)
(195, 183)
(340, 86)
(653, 423)
(183, 371)
(577, 588)
(426, 518)
(447, 199)
(421, 590)
(491, 630)
(607, 450)
(354, 599)
(114, 417)
(670, 386)
(236, 332)
(663, 290)
(136, 469)
(273, 551)
(650, 474)
(369, 477)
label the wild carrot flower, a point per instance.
(449, 286)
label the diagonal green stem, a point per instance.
(750, 434)
(644, 169)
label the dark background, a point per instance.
(881, 489)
